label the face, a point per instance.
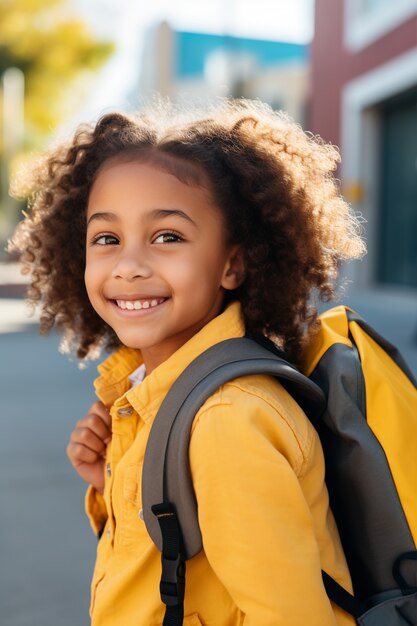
(157, 261)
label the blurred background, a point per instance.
(346, 70)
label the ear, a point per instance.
(234, 271)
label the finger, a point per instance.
(88, 438)
(96, 425)
(91, 472)
(99, 409)
(80, 454)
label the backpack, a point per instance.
(362, 399)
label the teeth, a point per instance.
(137, 305)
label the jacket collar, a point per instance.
(113, 385)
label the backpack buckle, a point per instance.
(172, 585)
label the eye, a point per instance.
(168, 237)
(106, 240)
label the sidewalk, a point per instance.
(393, 313)
(50, 548)
(11, 279)
(14, 312)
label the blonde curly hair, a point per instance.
(273, 182)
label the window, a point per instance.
(373, 5)
(368, 20)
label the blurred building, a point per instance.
(200, 66)
(364, 99)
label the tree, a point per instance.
(57, 55)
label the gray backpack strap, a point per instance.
(166, 472)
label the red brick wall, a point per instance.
(333, 66)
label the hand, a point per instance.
(87, 445)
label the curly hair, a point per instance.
(272, 181)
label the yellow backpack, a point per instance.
(369, 437)
(362, 399)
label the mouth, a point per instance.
(139, 304)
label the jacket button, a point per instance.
(108, 467)
(109, 532)
(125, 411)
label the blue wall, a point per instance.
(192, 50)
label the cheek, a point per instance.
(87, 274)
(191, 274)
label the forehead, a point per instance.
(186, 171)
(134, 185)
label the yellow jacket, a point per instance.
(258, 474)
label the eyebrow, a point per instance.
(106, 216)
(155, 214)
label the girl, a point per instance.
(157, 236)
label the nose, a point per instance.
(131, 264)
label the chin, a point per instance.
(135, 343)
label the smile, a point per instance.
(138, 305)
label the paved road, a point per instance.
(47, 549)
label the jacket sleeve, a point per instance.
(257, 527)
(95, 508)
